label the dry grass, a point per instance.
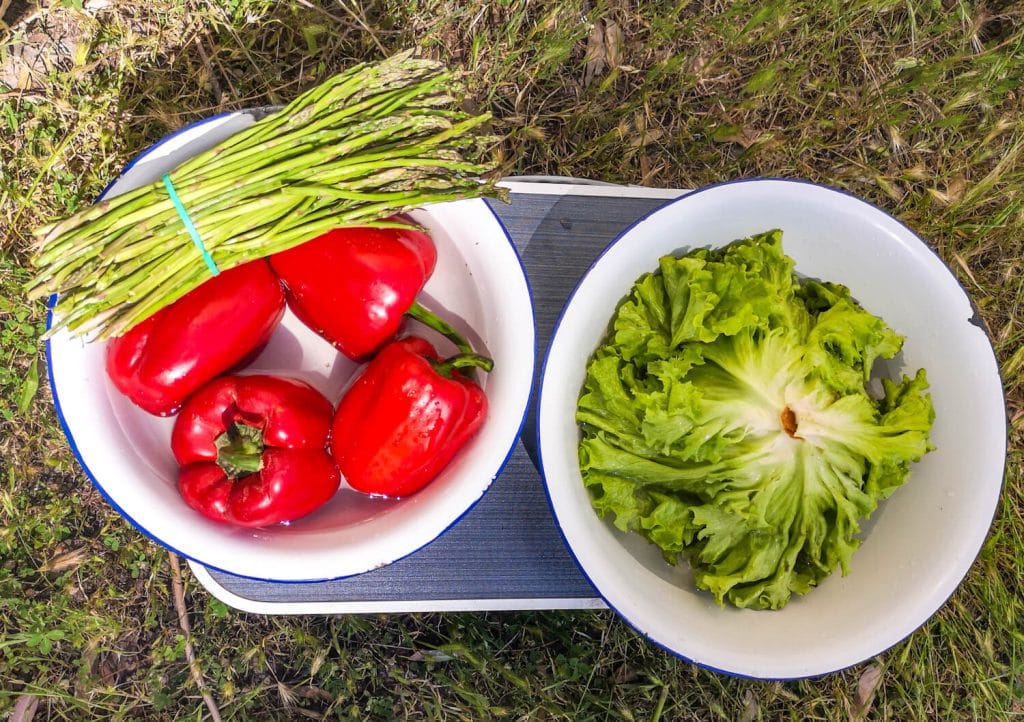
(914, 105)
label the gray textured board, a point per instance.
(507, 546)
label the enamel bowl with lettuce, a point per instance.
(771, 428)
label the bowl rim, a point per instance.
(140, 156)
(975, 320)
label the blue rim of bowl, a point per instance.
(145, 532)
(974, 320)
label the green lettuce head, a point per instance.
(728, 418)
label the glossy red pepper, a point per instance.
(253, 450)
(405, 417)
(206, 332)
(353, 285)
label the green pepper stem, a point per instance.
(431, 320)
(235, 465)
(461, 361)
(240, 450)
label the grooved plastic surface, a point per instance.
(507, 547)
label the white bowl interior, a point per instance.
(917, 546)
(480, 288)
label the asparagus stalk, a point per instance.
(373, 141)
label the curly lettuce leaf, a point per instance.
(727, 419)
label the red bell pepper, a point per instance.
(405, 417)
(206, 332)
(354, 285)
(253, 450)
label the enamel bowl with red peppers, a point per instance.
(318, 413)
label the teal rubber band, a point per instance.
(186, 221)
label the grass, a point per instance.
(913, 105)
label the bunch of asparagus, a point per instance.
(373, 141)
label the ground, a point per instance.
(913, 105)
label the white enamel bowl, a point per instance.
(478, 285)
(918, 545)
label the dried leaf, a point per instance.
(955, 188)
(643, 137)
(647, 170)
(751, 710)
(67, 560)
(108, 673)
(624, 674)
(613, 40)
(24, 708)
(697, 65)
(744, 135)
(868, 683)
(310, 692)
(596, 57)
